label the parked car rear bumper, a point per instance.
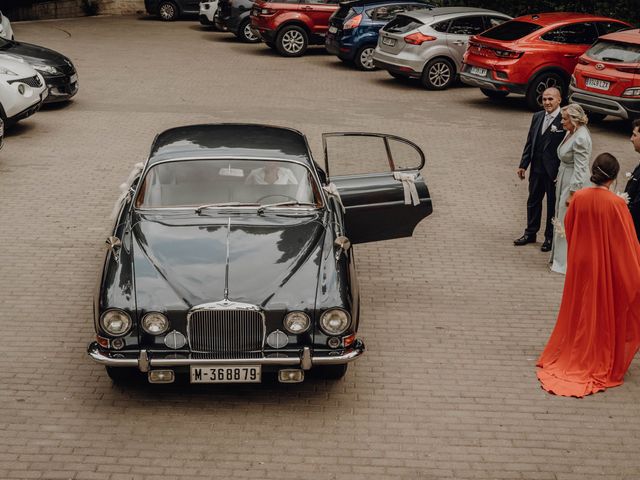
(400, 69)
(626, 108)
(490, 83)
(144, 360)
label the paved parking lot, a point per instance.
(454, 317)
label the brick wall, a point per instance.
(72, 8)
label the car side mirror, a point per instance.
(114, 244)
(343, 243)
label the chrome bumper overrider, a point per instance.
(146, 360)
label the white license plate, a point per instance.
(74, 78)
(388, 41)
(481, 72)
(226, 374)
(333, 29)
(595, 83)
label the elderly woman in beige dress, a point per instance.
(575, 154)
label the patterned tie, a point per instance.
(547, 121)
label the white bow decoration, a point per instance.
(409, 184)
(332, 190)
(125, 187)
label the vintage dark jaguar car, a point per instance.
(230, 258)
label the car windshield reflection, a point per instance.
(227, 183)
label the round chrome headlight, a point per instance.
(155, 323)
(115, 322)
(297, 322)
(335, 321)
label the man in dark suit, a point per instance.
(633, 184)
(540, 153)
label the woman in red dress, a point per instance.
(597, 332)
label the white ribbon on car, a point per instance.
(332, 190)
(409, 184)
(125, 187)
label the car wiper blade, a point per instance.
(224, 205)
(285, 204)
(611, 59)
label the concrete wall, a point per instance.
(73, 8)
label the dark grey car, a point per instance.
(233, 15)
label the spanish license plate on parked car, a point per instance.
(595, 83)
(388, 41)
(226, 374)
(481, 72)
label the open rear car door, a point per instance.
(379, 182)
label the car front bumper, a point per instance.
(145, 360)
(61, 87)
(207, 14)
(627, 108)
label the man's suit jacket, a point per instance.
(552, 139)
(633, 190)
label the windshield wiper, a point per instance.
(611, 59)
(223, 205)
(285, 204)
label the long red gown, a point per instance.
(597, 332)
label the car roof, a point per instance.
(370, 3)
(230, 140)
(554, 18)
(627, 36)
(425, 15)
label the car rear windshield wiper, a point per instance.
(224, 205)
(611, 59)
(285, 204)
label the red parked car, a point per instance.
(606, 80)
(531, 53)
(291, 26)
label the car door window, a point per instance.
(574, 34)
(467, 26)
(441, 26)
(610, 27)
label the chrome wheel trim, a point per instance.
(548, 82)
(249, 33)
(292, 41)
(439, 74)
(366, 58)
(167, 11)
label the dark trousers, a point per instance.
(540, 184)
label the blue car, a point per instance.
(353, 28)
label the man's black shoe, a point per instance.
(546, 245)
(524, 239)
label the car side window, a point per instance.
(610, 27)
(574, 34)
(467, 26)
(491, 22)
(441, 26)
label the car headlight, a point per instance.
(115, 322)
(335, 321)
(297, 322)
(6, 71)
(155, 323)
(45, 69)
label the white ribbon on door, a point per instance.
(125, 187)
(409, 184)
(332, 190)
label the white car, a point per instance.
(5, 28)
(208, 12)
(22, 90)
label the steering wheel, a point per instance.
(277, 195)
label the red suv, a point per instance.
(531, 53)
(290, 26)
(606, 80)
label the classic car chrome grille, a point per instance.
(31, 81)
(226, 331)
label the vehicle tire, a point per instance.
(364, 58)
(539, 84)
(292, 41)
(124, 375)
(438, 74)
(595, 117)
(246, 33)
(332, 372)
(168, 11)
(494, 94)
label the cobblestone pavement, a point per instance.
(454, 317)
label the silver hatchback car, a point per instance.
(430, 44)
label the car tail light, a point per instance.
(508, 53)
(353, 22)
(582, 61)
(631, 92)
(634, 70)
(418, 38)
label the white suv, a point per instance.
(22, 90)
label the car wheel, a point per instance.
(495, 94)
(123, 375)
(292, 41)
(332, 372)
(168, 11)
(364, 58)
(438, 74)
(540, 84)
(246, 33)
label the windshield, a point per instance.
(608, 51)
(193, 183)
(512, 30)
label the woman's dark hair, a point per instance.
(604, 168)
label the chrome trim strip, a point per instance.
(226, 267)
